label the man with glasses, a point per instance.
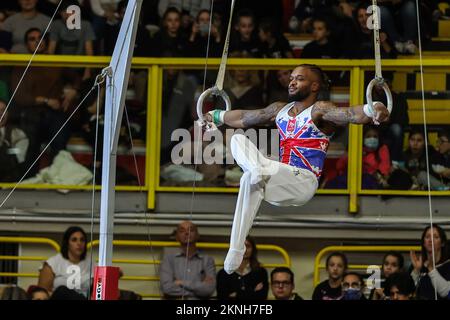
(282, 284)
(441, 162)
(352, 286)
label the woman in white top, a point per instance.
(70, 267)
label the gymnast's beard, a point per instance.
(299, 96)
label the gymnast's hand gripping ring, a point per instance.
(215, 92)
(387, 91)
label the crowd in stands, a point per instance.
(186, 272)
(170, 28)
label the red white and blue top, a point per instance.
(302, 144)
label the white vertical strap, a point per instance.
(376, 38)
(223, 62)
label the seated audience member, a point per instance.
(363, 44)
(103, 13)
(423, 271)
(13, 148)
(70, 42)
(143, 40)
(37, 106)
(244, 37)
(37, 293)
(18, 24)
(186, 272)
(5, 41)
(322, 46)
(282, 284)
(414, 158)
(169, 38)
(248, 282)
(307, 10)
(331, 288)
(376, 163)
(189, 9)
(274, 44)
(400, 286)
(352, 286)
(198, 39)
(279, 90)
(404, 13)
(440, 163)
(58, 271)
(244, 87)
(392, 262)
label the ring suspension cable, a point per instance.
(424, 113)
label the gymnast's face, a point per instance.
(303, 83)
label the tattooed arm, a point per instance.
(327, 116)
(250, 118)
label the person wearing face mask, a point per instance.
(352, 287)
(376, 163)
(198, 40)
(393, 262)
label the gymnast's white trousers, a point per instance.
(275, 182)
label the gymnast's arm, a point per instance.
(249, 118)
(326, 115)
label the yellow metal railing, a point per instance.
(28, 240)
(155, 67)
(318, 265)
(134, 244)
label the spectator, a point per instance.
(70, 42)
(248, 282)
(18, 24)
(440, 163)
(170, 38)
(322, 46)
(244, 37)
(400, 286)
(189, 9)
(423, 272)
(58, 270)
(392, 262)
(198, 40)
(279, 91)
(37, 106)
(395, 11)
(178, 94)
(274, 44)
(5, 41)
(307, 10)
(376, 163)
(37, 293)
(186, 272)
(282, 284)
(244, 89)
(415, 160)
(331, 289)
(13, 148)
(353, 286)
(363, 43)
(103, 12)
(142, 44)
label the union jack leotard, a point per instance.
(302, 144)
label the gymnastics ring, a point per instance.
(214, 91)
(387, 91)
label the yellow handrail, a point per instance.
(50, 242)
(318, 265)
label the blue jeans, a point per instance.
(408, 18)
